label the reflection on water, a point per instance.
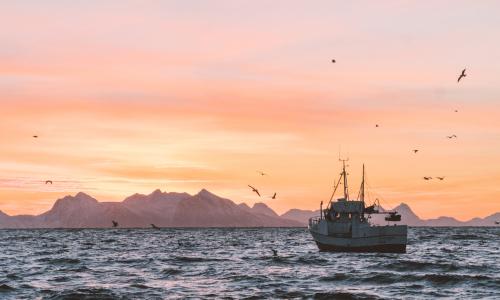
(239, 263)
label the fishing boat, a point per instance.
(344, 225)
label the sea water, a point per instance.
(238, 263)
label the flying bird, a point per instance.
(333, 61)
(261, 173)
(456, 110)
(254, 190)
(274, 196)
(440, 178)
(275, 252)
(461, 75)
(154, 226)
(48, 181)
(376, 125)
(451, 136)
(35, 136)
(427, 178)
(115, 224)
(415, 150)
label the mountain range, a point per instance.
(184, 210)
(408, 217)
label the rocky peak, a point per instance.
(262, 208)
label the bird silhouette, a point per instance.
(427, 178)
(274, 196)
(48, 181)
(415, 150)
(333, 61)
(275, 252)
(254, 190)
(376, 125)
(461, 75)
(261, 173)
(451, 136)
(115, 224)
(154, 226)
(35, 136)
(440, 178)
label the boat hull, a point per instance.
(386, 248)
(385, 239)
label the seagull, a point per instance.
(275, 252)
(254, 190)
(261, 173)
(440, 178)
(48, 181)
(333, 61)
(154, 226)
(427, 178)
(451, 136)
(115, 224)
(415, 150)
(461, 75)
(274, 196)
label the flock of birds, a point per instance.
(453, 136)
(255, 190)
(462, 75)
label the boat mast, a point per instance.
(362, 194)
(344, 174)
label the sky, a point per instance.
(131, 96)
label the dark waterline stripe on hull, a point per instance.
(389, 248)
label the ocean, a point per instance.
(238, 263)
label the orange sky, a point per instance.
(130, 96)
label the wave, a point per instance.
(243, 278)
(83, 293)
(196, 259)
(12, 276)
(139, 286)
(170, 271)
(109, 241)
(312, 260)
(435, 278)
(5, 288)
(79, 269)
(345, 296)
(454, 278)
(411, 265)
(64, 261)
(335, 277)
(466, 237)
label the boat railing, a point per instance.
(314, 221)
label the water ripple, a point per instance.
(458, 263)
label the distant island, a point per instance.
(184, 210)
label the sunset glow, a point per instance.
(130, 96)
